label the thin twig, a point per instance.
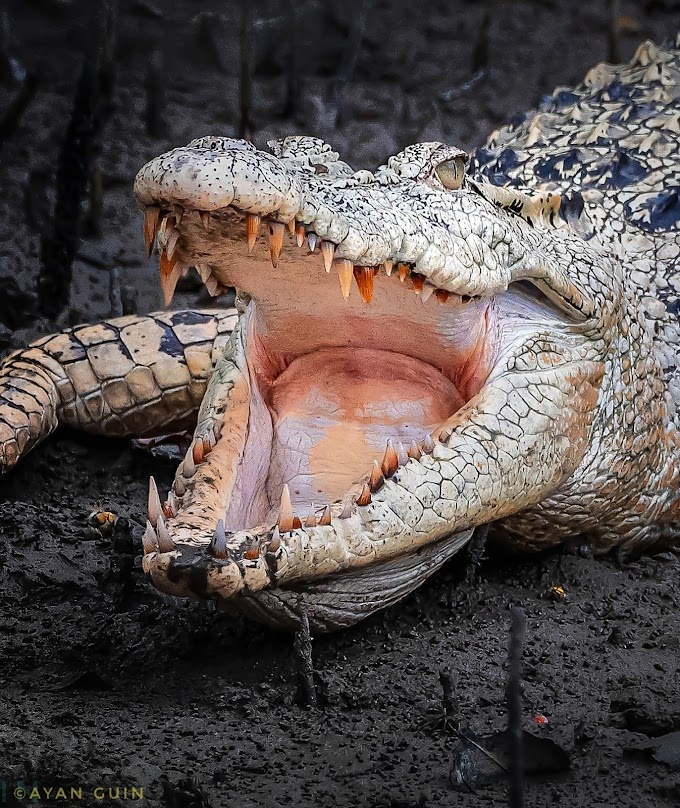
(302, 645)
(514, 696)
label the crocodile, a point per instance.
(441, 345)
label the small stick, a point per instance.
(245, 126)
(155, 95)
(514, 697)
(306, 694)
(613, 39)
(449, 699)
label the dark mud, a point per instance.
(105, 682)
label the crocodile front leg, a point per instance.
(128, 376)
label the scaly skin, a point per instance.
(568, 426)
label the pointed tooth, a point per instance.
(165, 543)
(204, 271)
(364, 497)
(389, 266)
(155, 509)
(172, 242)
(414, 451)
(427, 292)
(179, 486)
(286, 518)
(402, 454)
(328, 251)
(275, 541)
(209, 441)
(326, 516)
(299, 234)
(364, 277)
(276, 232)
(213, 286)
(291, 227)
(311, 520)
(376, 480)
(205, 219)
(171, 504)
(444, 435)
(149, 539)
(178, 210)
(170, 274)
(403, 272)
(151, 216)
(197, 451)
(312, 238)
(442, 295)
(188, 466)
(390, 461)
(253, 222)
(218, 545)
(297, 523)
(253, 553)
(345, 274)
(418, 282)
(347, 510)
(428, 444)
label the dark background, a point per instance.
(103, 680)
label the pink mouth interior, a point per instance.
(333, 380)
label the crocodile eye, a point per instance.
(451, 173)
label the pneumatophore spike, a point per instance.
(155, 509)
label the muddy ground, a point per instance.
(106, 683)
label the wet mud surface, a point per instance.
(106, 682)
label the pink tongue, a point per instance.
(334, 410)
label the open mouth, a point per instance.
(374, 321)
(353, 370)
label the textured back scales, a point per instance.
(614, 139)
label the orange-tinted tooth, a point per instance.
(276, 231)
(442, 295)
(326, 516)
(376, 479)
(364, 277)
(253, 554)
(291, 227)
(364, 497)
(253, 222)
(299, 234)
(390, 461)
(151, 216)
(403, 272)
(285, 521)
(345, 270)
(197, 452)
(418, 282)
(328, 251)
